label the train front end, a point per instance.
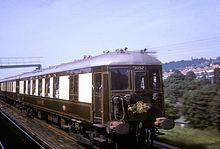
(137, 100)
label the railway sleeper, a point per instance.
(81, 138)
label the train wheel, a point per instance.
(140, 133)
(150, 133)
(144, 136)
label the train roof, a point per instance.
(120, 57)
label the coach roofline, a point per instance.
(107, 59)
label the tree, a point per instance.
(190, 76)
(174, 89)
(217, 76)
(215, 111)
(197, 100)
(172, 110)
(197, 106)
(176, 76)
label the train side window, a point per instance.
(40, 87)
(47, 87)
(29, 87)
(5, 85)
(33, 87)
(73, 89)
(24, 87)
(140, 81)
(76, 80)
(120, 79)
(9, 87)
(14, 87)
(56, 87)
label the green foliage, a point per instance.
(174, 86)
(217, 76)
(172, 110)
(196, 108)
(190, 76)
(176, 76)
(188, 138)
(215, 110)
(197, 100)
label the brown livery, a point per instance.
(97, 98)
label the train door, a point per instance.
(101, 95)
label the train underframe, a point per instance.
(116, 134)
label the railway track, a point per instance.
(162, 145)
(41, 134)
(32, 140)
(40, 140)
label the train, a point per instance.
(97, 99)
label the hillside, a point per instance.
(176, 65)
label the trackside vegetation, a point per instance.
(189, 138)
(197, 100)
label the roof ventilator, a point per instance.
(143, 51)
(121, 50)
(106, 51)
(87, 56)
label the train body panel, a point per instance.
(118, 91)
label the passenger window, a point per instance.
(24, 87)
(47, 87)
(76, 80)
(140, 81)
(34, 87)
(40, 87)
(119, 79)
(73, 89)
(29, 87)
(56, 87)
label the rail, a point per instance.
(39, 143)
(163, 145)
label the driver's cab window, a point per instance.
(140, 81)
(154, 79)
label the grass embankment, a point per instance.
(192, 138)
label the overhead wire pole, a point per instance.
(19, 62)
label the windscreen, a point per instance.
(119, 79)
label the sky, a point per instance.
(60, 31)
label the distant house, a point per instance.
(182, 122)
(200, 72)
